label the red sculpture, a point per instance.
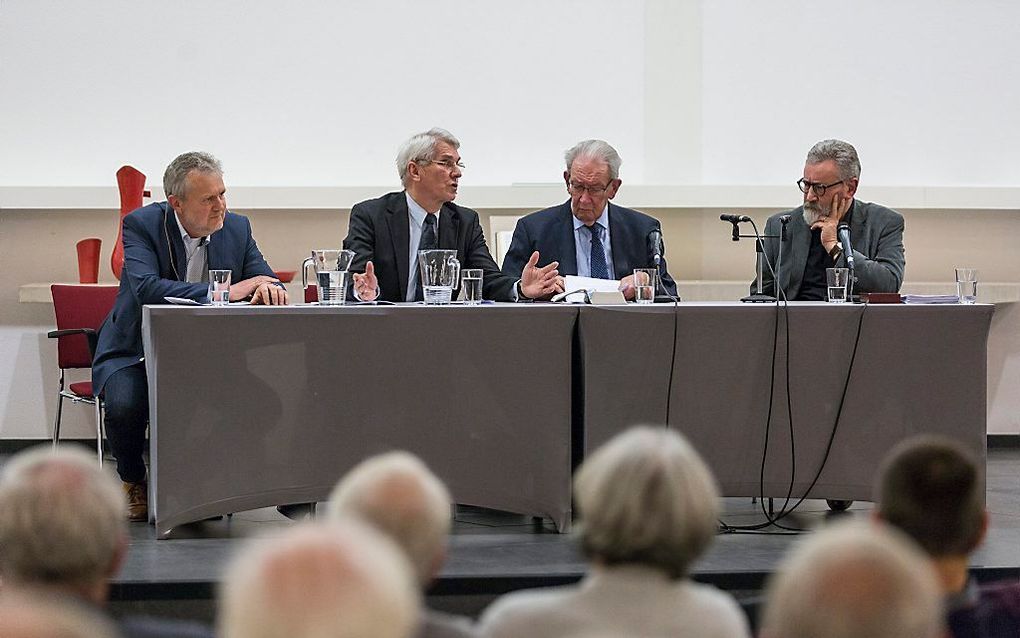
(131, 183)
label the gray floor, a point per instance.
(492, 552)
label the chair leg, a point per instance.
(60, 405)
(99, 430)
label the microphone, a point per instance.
(784, 220)
(655, 246)
(734, 219)
(843, 232)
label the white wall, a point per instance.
(319, 94)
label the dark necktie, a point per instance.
(428, 242)
(599, 268)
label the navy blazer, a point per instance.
(154, 267)
(380, 230)
(551, 233)
(876, 235)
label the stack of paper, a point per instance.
(931, 299)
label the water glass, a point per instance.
(966, 285)
(838, 280)
(644, 285)
(219, 287)
(471, 285)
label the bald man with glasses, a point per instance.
(831, 174)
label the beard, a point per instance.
(813, 212)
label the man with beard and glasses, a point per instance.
(831, 175)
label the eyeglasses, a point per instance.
(593, 191)
(819, 189)
(448, 164)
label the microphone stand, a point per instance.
(759, 296)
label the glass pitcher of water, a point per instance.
(440, 272)
(331, 272)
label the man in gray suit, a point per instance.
(831, 175)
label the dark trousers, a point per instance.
(126, 397)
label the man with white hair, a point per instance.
(386, 233)
(343, 580)
(588, 235)
(63, 532)
(853, 580)
(832, 172)
(648, 509)
(397, 493)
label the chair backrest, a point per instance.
(79, 307)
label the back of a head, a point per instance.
(63, 520)
(397, 493)
(343, 580)
(854, 581)
(38, 616)
(932, 489)
(647, 498)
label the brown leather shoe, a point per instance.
(138, 500)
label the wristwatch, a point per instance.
(836, 251)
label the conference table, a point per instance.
(256, 406)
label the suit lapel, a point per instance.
(795, 254)
(620, 235)
(178, 258)
(859, 227)
(396, 219)
(567, 249)
(449, 228)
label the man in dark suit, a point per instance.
(386, 233)
(169, 248)
(831, 175)
(588, 235)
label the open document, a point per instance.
(575, 288)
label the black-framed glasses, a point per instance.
(819, 189)
(593, 191)
(448, 164)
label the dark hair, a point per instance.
(931, 488)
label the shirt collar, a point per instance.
(601, 219)
(418, 213)
(190, 242)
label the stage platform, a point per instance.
(494, 552)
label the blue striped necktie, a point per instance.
(599, 268)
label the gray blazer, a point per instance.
(876, 235)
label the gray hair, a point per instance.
(646, 497)
(342, 580)
(598, 150)
(176, 175)
(931, 489)
(851, 580)
(397, 494)
(843, 153)
(63, 518)
(422, 147)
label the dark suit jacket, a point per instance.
(380, 231)
(551, 233)
(876, 234)
(152, 271)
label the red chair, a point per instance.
(79, 310)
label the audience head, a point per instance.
(341, 580)
(592, 177)
(931, 489)
(63, 522)
(397, 494)
(850, 581)
(646, 497)
(37, 615)
(831, 170)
